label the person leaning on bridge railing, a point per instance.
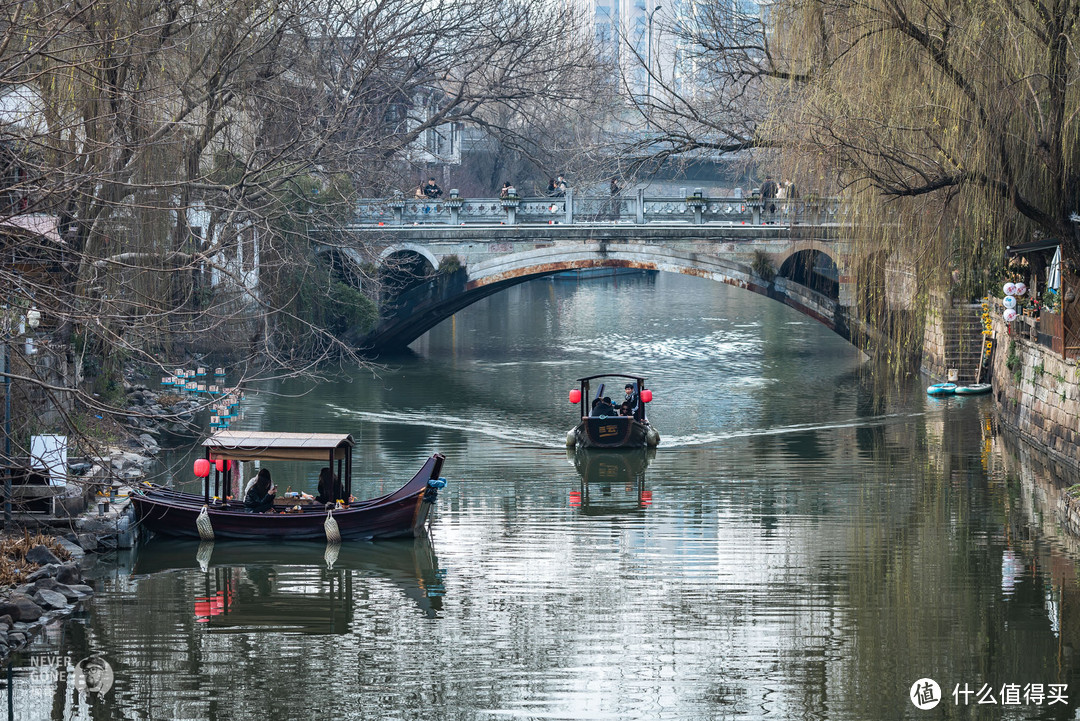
(429, 191)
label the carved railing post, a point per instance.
(697, 203)
(397, 204)
(569, 201)
(510, 205)
(454, 203)
(639, 209)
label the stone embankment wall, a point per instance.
(1037, 395)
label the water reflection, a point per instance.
(612, 481)
(294, 587)
(813, 546)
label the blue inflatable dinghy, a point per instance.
(974, 389)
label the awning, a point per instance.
(263, 446)
(1032, 247)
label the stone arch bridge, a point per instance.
(801, 259)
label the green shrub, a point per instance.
(349, 309)
(762, 265)
(450, 264)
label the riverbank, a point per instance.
(42, 584)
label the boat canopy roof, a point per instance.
(235, 445)
(639, 379)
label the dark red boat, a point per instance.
(403, 512)
(603, 425)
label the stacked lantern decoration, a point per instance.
(1011, 291)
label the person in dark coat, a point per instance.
(260, 497)
(330, 488)
(631, 397)
(769, 191)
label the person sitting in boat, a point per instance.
(626, 409)
(260, 494)
(330, 488)
(631, 397)
(604, 408)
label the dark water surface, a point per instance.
(801, 545)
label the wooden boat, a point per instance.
(941, 389)
(975, 389)
(602, 426)
(403, 512)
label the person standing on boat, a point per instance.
(330, 488)
(631, 398)
(260, 495)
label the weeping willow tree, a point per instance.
(951, 127)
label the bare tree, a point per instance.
(175, 169)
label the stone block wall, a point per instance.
(1037, 397)
(933, 351)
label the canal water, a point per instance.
(805, 544)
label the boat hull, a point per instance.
(613, 432)
(402, 513)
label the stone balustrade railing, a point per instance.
(631, 208)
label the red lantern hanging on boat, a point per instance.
(202, 468)
(223, 465)
(575, 396)
(646, 396)
(575, 499)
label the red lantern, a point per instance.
(575, 396)
(575, 499)
(646, 396)
(220, 465)
(202, 468)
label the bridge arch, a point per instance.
(814, 269)
(406, 248)
(404, 267)
(419, 309)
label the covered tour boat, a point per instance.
(620, 423)
(221, 514)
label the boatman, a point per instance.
(632, 397)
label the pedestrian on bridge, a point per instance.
(769, 191)
(430, 190)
